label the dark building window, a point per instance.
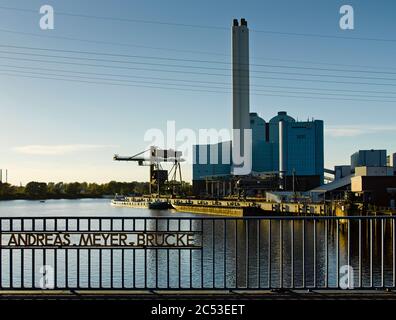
(267, 131)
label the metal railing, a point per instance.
(219, 253)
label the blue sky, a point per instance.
(80, 125)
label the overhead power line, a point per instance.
(187, 60)
(200, 26)
(91, 76)
(228, 84)
(111, 43)
(183, 71)
(184, 89)
(208, 83)
(197, 67)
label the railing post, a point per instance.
(360, 253)
(371, 253)
(349, 251)
(303, 254)
(100, 258)
(89, 258)
(326, 254)
(22, 258)
(258, 222)
(247, 253)
(11, 251)
(382, 254)
(338, 253)
(292, 254)
(225, 253)
(393, 253)
(1, 253)
(33, 258)
(314, 253)
(78, 257)
(190, 255)
(122, 256)
(202, 265)
(179, 259)
(281, 253)
(236, 254)
(269, 254)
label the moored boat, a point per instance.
(122, 201)
(132, 202)
(159, 205)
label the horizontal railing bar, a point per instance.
(8, 232)
(116, 288)
(208, 218)
(120, 247)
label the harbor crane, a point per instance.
(159, 176)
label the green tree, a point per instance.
(7, 191)
(73, 189)
(59, 188)
(36, 190)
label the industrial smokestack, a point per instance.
(240, 83)
(281, 154)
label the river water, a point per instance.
(233, 254)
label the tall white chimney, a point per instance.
(240, 82)
(282, 164)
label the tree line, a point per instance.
(74, 190)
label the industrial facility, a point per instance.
(286, 154)
(285, 162)
(370, 179)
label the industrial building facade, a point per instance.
(303, 153)
(370, 158)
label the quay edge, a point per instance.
(232, 208)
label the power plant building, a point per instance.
(289, 150)
(391, 162)
(303, 152)
(302, 146)
(368, 158)
(209, 160)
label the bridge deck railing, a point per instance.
(180, 253)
